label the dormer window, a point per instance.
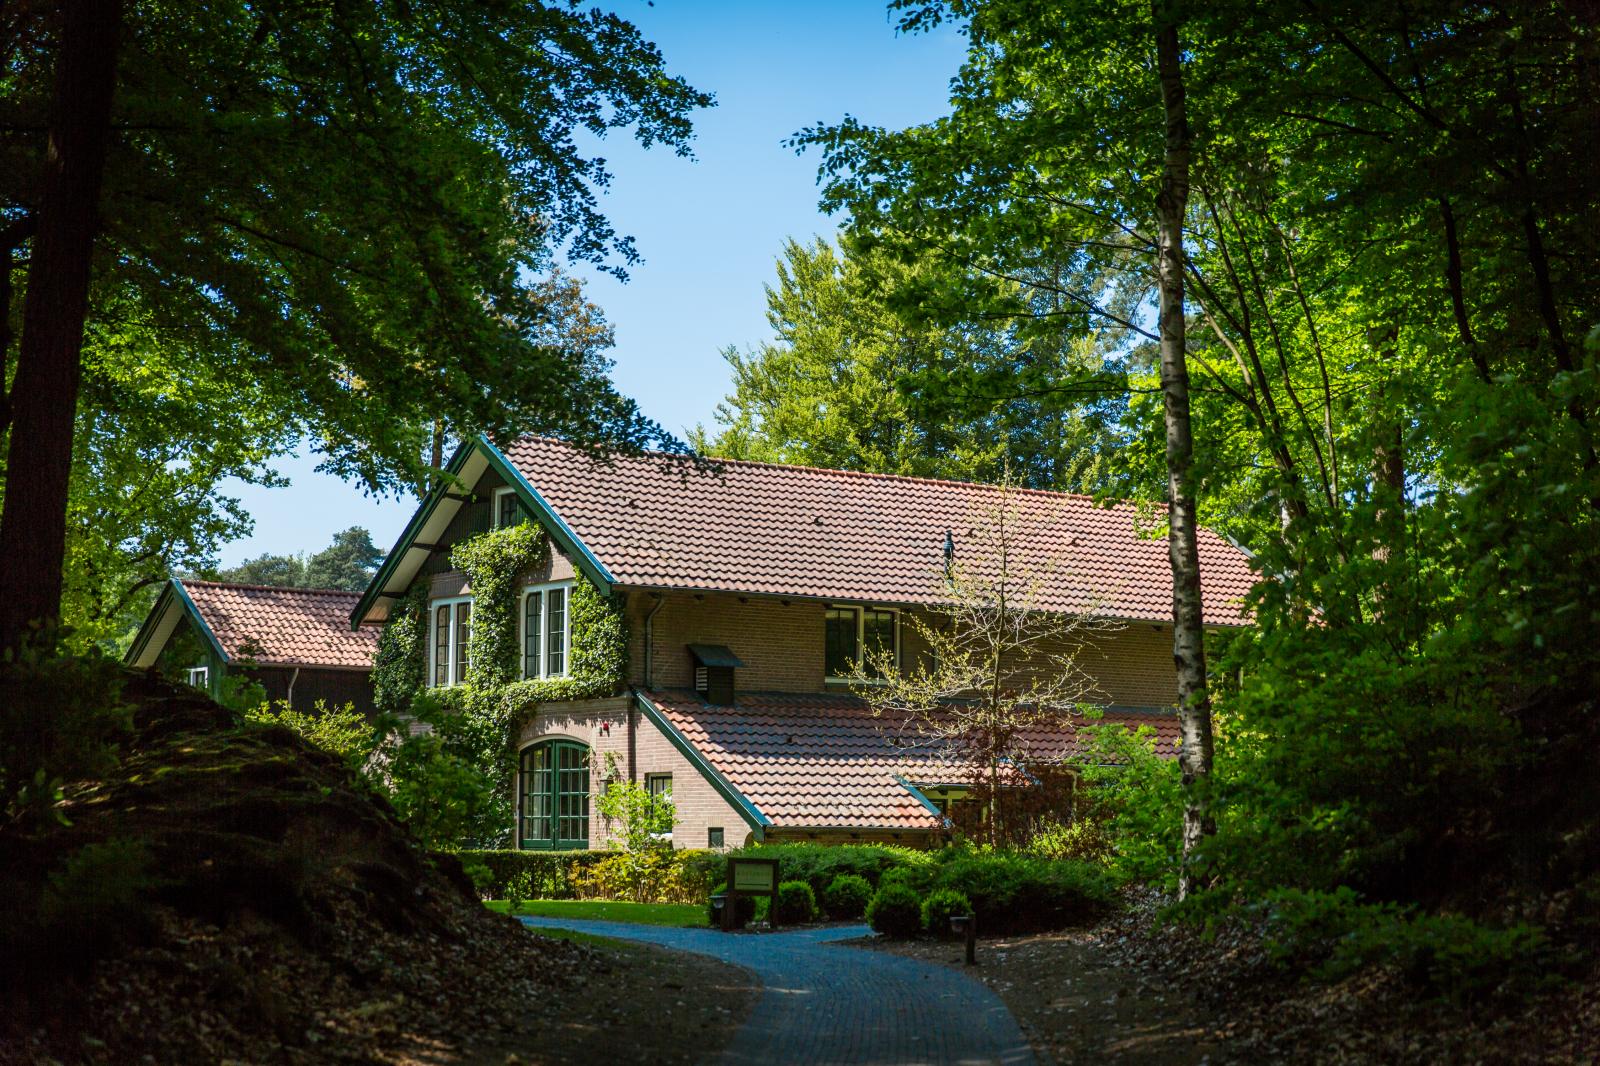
(545, 630)
(508, 508)
(848, 631)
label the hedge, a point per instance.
(550, 873)
(819, 864)
(1014, 893)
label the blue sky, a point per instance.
(709, 228)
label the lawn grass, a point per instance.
(676, 914)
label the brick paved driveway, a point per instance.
(825, 1003)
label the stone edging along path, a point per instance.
(822, 1003)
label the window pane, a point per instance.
(557, 640)
(463, 636)
(532, 620)
(510, 510)
(878, 633)
(441, 644)
(839, 641)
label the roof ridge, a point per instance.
(246, 587)
(915, 479)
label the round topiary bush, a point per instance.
(742, 917)
(941, 905)
(797, 904)
(847, 896)
(895, 912)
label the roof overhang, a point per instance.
(736, 799)
(470, 462)
(162, 621)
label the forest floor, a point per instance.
(1132, 992)
(253, 904)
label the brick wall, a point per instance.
(699, 805)
(781, 645)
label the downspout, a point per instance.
(289, 699)
(649, 683)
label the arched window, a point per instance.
(553, 789)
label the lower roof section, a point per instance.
(824, 761)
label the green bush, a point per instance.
(895, 912)
(818, 864)
(941, 905)
(340, 731)
(1086, 839)
(743, 915)
(846, 897)
(1335, 934)
(797, 904)
(551, 874)
(918, 879)
(480, 875)
(1011, 892)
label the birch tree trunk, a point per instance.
(1188, 636)
(33, 523)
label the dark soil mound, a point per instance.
(233, 893)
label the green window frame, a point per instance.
(553, 796)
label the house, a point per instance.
(297, 644)
(747, 590)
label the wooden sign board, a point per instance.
(751, 877)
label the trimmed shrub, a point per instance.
(941, 905)
(743, 916)
(819, 864)
(895, 912)
(847, 896)
(551, 874)
(918, 879)
(797, 904)
(1013, 893)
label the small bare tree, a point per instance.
(999, 666)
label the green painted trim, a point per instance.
(413, 527)
(194, 613)
(554, 524)
(147, 628)
(918, 795)
(748, 810)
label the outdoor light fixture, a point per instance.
(966, 925)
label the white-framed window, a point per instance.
(546, 629)
(449, 636)
(848, 632)
(508, 508)
(659, 788)
(200, 676)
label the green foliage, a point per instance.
(399, 667)
(918, 878)
(895, 912)
(1138, 799)
(796, 904)
(819, 864)
(481, 876)
(654, 875)
(495, 563)
(1334, 934)
(1086, 838)
(440, 780)
(550, 874)
(342, 732)
(940, 906)
(744, 908)
(347, 563)
(645, 821)
(846, 897)
(857, 381)
(101, 890)
(281, 571)
(1010, 892)
(61, 721)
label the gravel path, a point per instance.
(823, 1003)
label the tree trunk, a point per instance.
(1188, 635)
(33, 523)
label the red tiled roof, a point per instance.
(300, 627)
(815, 761)
(800, 531)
